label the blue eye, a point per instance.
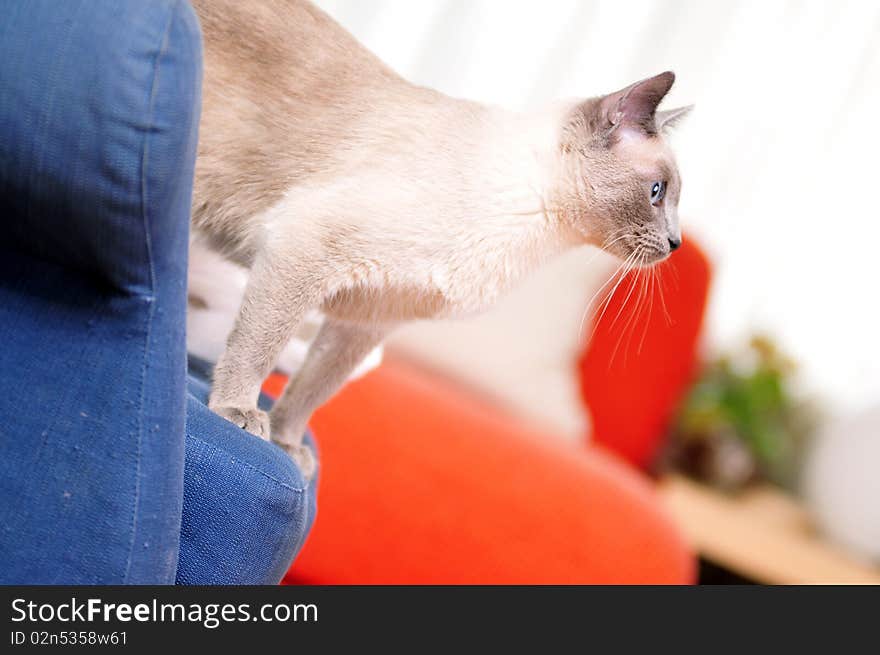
(658, 190)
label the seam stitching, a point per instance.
(298, 490)
(151, 299)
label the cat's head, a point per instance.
(620, 183)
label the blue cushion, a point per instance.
(99, 106)
(247, 509)
(98, 123)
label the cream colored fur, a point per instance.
(345, 188)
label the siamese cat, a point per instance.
(345, 188)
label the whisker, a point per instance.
(676, 280)
(593, 298)
(633, 319)
(663, 300)
(614, 237)
(643, 298)
(627, 267)
(604, 304)
(632, 286)
(650, 310)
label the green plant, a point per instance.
(741, 422)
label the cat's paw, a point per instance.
(302, 456)
(253, 420)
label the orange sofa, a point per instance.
(424, 483)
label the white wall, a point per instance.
(781, 181)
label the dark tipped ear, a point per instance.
(634, 107)
(669, 118)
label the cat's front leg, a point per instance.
(337, 349)
(281, 289)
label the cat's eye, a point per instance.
(658, 190)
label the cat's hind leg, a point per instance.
(336, 351)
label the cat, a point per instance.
(345, 188)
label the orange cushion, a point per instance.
(643, 354)
(422, 483)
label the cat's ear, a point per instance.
(669, 118)
(633, 108)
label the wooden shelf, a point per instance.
(761, 534)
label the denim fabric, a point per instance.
(99, 103)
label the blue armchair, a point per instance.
(112, 469)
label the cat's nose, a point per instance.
(674, 243)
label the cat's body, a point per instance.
(344, 187)
(405, 170)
